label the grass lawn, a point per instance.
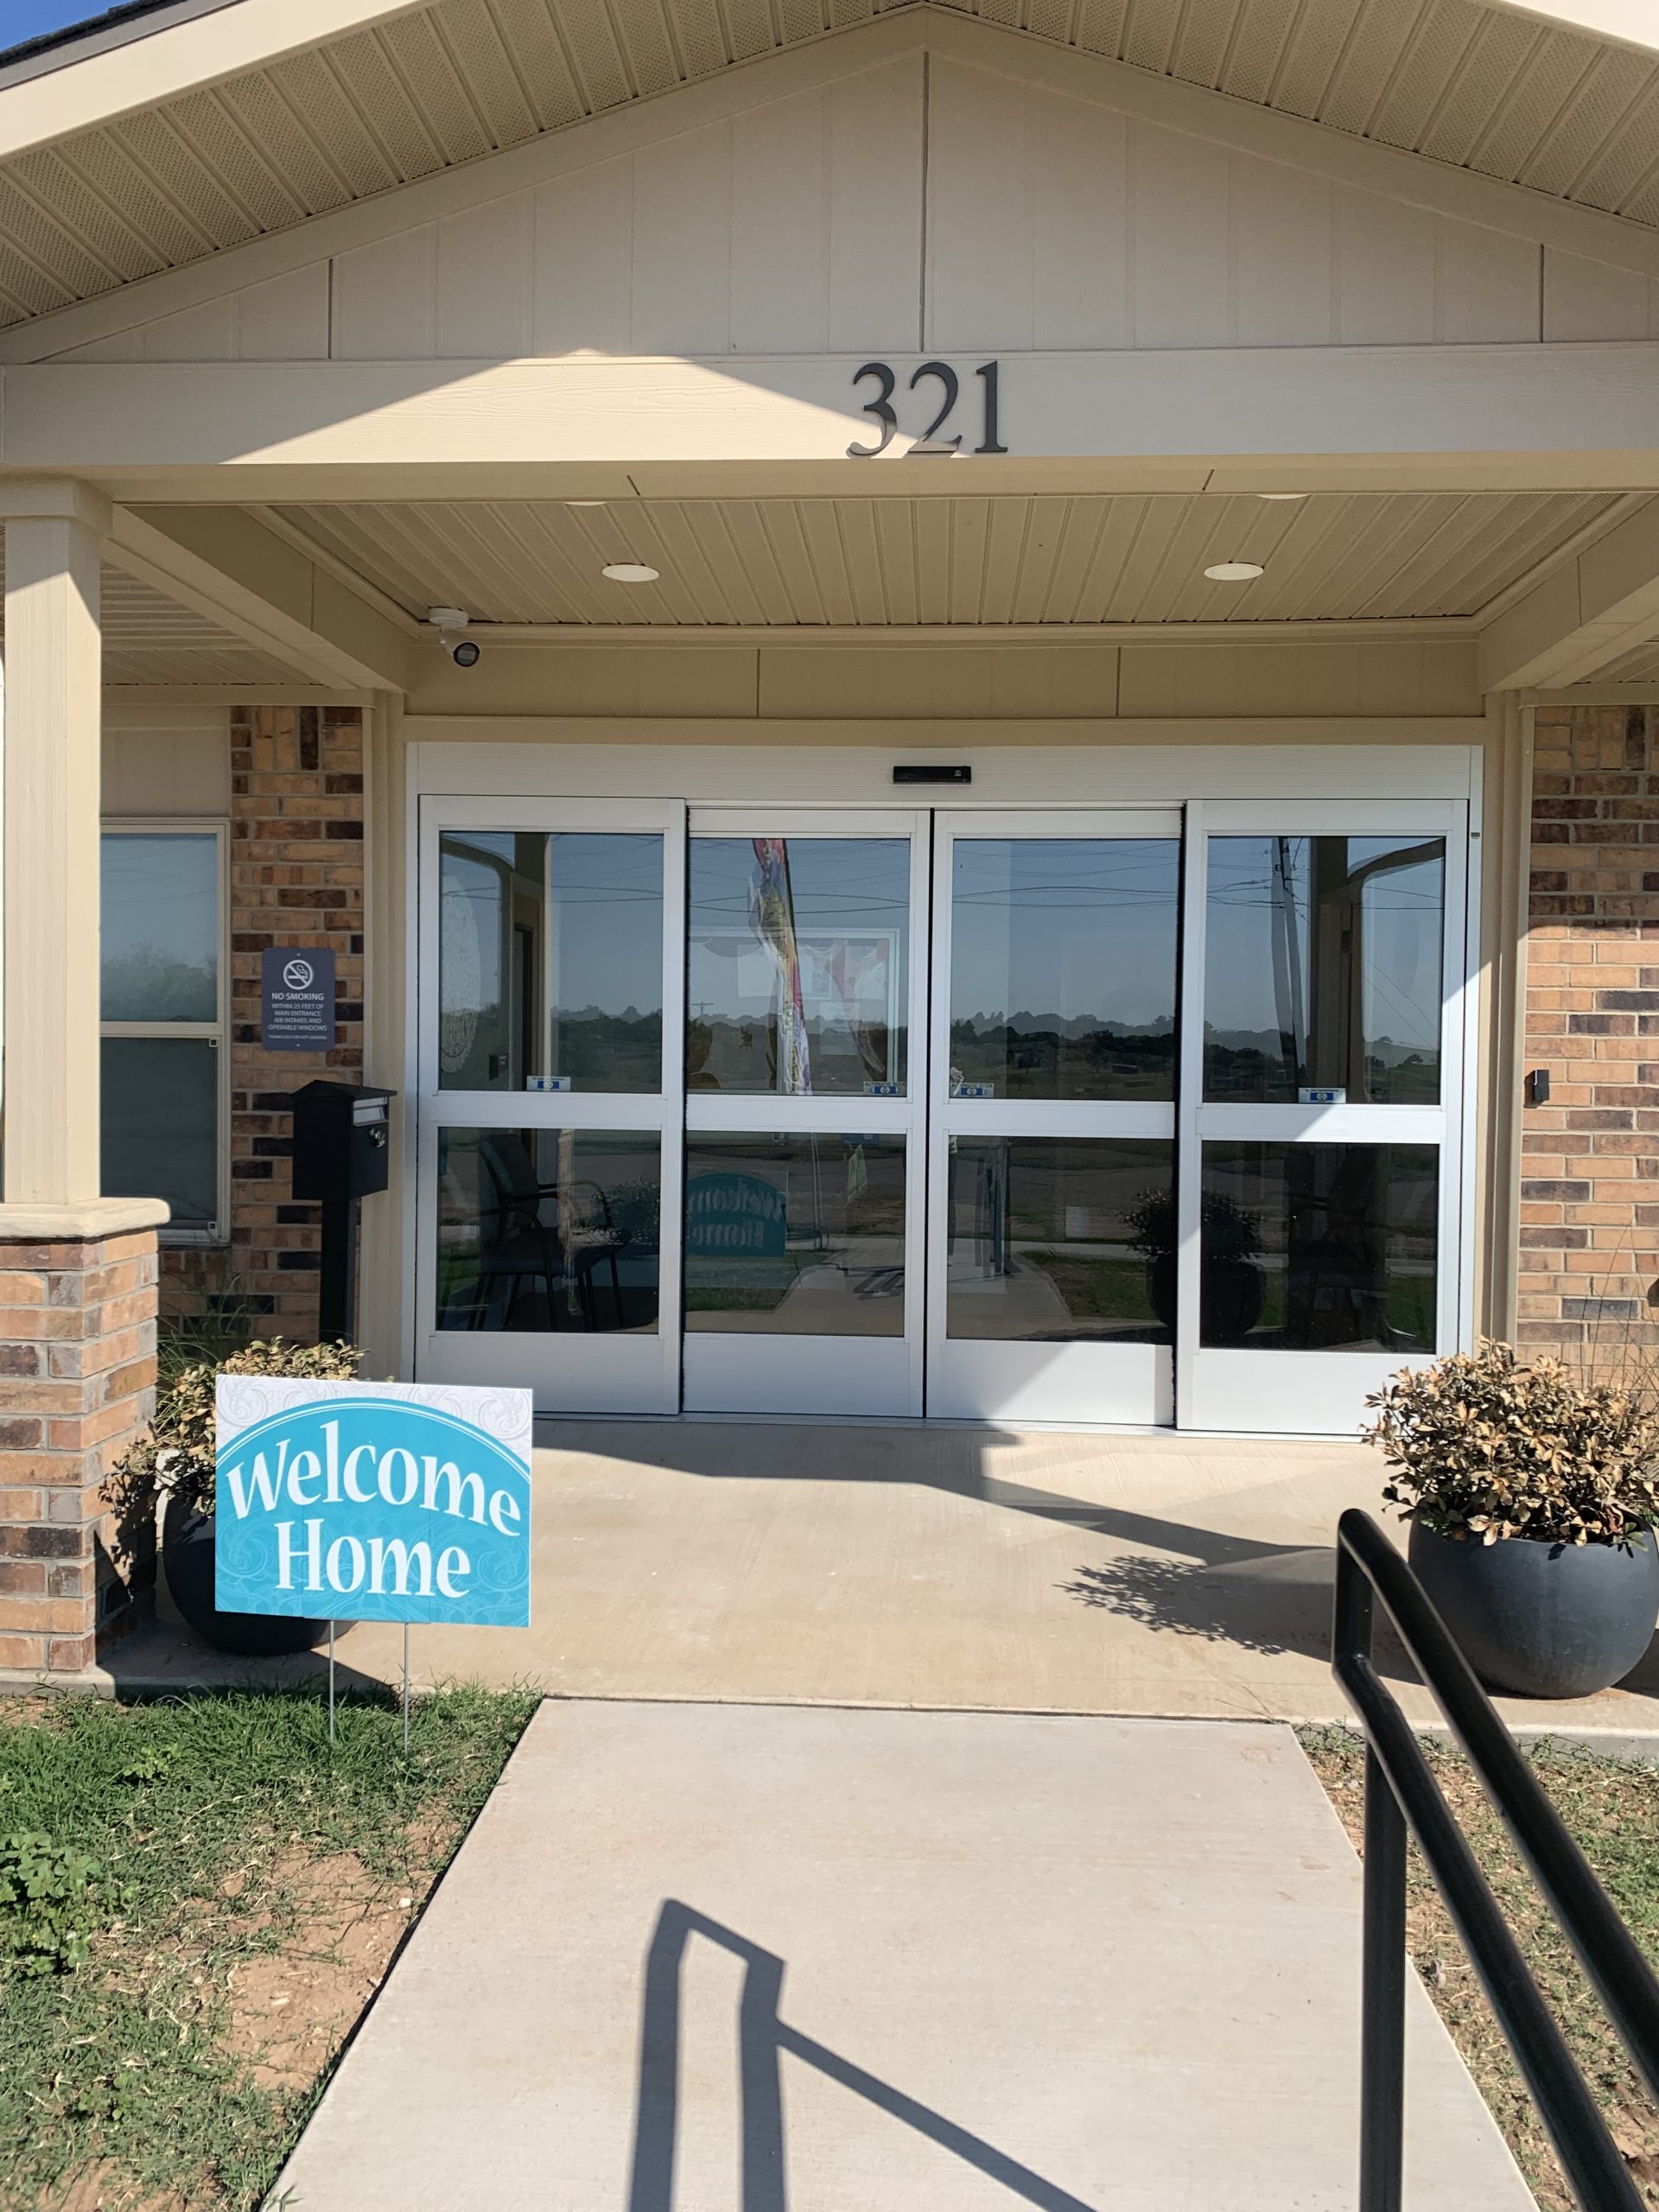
(252, 1884)
(1612, 1809)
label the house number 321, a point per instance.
(949, 384)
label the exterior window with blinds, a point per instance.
(164, 990)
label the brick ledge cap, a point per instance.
(91, 1217)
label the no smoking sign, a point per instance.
(297, 998)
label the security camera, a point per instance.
(449, 622)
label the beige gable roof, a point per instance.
(422, 89)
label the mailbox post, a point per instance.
(342, 1153)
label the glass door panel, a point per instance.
(550, 1053)
(1052, 1219)
(803, 1117)
(1320, 1167)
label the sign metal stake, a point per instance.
(405, 1685)
(331, 1681)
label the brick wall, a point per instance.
(77, 1375)
(296, 877)
(1590, 1171)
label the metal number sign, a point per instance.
(881, 409)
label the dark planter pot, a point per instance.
(1230, 1296)
(187, 1555)
(1542, 1620)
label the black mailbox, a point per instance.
(341, 1141)
(342, 1152)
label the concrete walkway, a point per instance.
(920, 1567)
(738, 1959)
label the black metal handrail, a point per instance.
(1401, 1791)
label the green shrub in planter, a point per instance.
(174, 1462)
(1532, 1497)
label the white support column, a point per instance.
(74, 1402)
(54, 703)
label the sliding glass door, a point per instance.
(1323, 1045)
(1052, 1290)
(805, 1070)
(548, 1251)
(1135, 1116)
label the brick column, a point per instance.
(77, 1377)
(1590, 1170)
(296, 877)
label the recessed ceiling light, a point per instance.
(1281, 495)
(631, 572)
(1227, 572)
(600, 503)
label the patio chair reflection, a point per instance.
(556, 1234)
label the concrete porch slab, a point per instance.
(719, 1957)
(908, 1566)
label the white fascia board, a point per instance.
(117, 80)
(1601, 605)
(1580, 413)
(1625, 22)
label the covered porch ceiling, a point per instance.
(337, 593)
(251, 120)
(1096, 562)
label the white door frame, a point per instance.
(620, 1372)
(1241, 1389)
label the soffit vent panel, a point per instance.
(151, 638)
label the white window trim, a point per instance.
(194, 1237)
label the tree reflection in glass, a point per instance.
(1323, 968)
(550, 961)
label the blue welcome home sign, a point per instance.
(373, 1501)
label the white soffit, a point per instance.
(895, 562)
(1641, 666)
(151, 638)
(1488, 88)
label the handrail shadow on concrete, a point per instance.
(763, 2039)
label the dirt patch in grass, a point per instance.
(254, 1885)
(291, 2009)
(1611, 1807)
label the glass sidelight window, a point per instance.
(548, 1132)
(1323, 968)
(550, 961)
(1320, 1158)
